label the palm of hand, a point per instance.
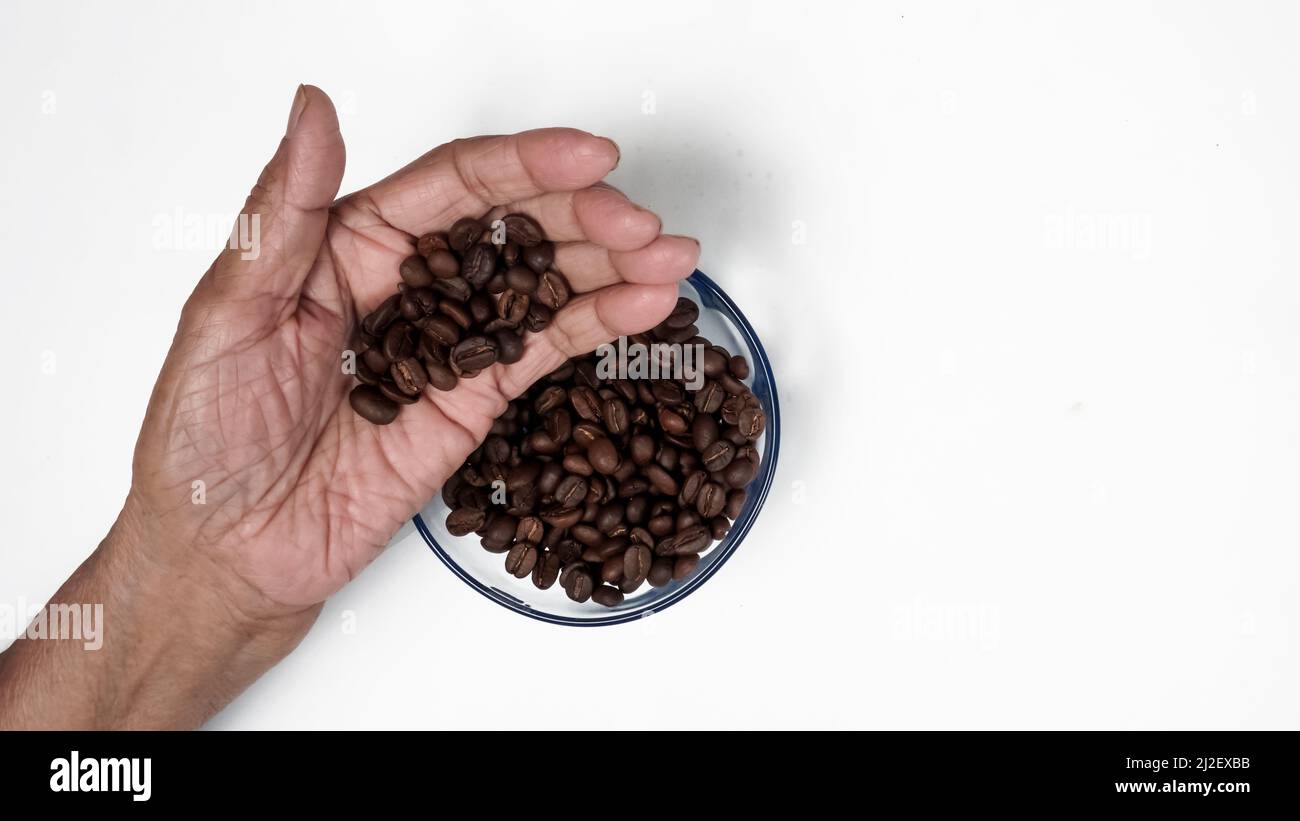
(297, 494)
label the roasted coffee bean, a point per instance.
(415, 272)
(719, 527)
(391, 391)
(709, 398)
(691, 487)
(442, 264)
(442, 330)
(496, 284)
(615, 416)
(711, 500)
(475, 353)
(586, 403)
(662, 481)
(715, 363)
(464, 233)
(464, 520)
(611, 570)
(440, 376)
(584, 433)
(603, 455)
(428, 243)
(558, 425)
(456, 288)
(521, 279)
(510, 347)
(512, 306)
(637, 560)
(552, 290)
(561, 517)
(378, 320)
(539, 257)
(718, 455)
(371, 405)
(530, 529)
(537, 318)
(673, 423)
(479, 265)
(667, 392)
(607, 596)
(751, 422)
(546, 570)
(456, 311)
(661, 571)
(571, 491)
(522, 230)
(578, 585)
(400, 341)
(409, 376)
(739, 367)
(735, 503)
(482, 308)
(739, 473)
(684, 566)
(692, 539)
(685, 313)
(520, 560)
(577, 464)
(704, 431)
(367, 375)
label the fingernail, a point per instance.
(618, 154)
(299, 106)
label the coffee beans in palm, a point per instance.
(448, 321)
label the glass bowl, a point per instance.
(722, 323)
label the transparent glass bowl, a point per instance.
(722, 323)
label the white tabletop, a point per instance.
(1024, 275)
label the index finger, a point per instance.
(470, 176)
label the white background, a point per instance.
(1033, 474)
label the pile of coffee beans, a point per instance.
(605, 484)
(465, 301)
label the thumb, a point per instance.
(280, 230)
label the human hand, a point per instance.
(299, 494)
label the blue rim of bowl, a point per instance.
(701, 283)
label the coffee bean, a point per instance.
(684, 566)
(607, 596)
(637, 561)
(571, 491)
(440, 376)
(546, 570)
(615, 416)
(709, 398)
(456, 311)
(751, 422)
(415, 272)
(380, 318)
(512, 306)
(685, 313)
(552, 290)
(520, 560)
(475, 353)
(530, 529)
(510, 347)
(711, 500)
(661, 571)
(463, 521)
(578, 586)
(603, 455)
(428, 243)
(735, 503)
(540, 256)
(704, 431)
(409, 376)
(456, 288)
(718, 455)
(479, 264)
(521, 279)
(537, 318)
(389, 390)
(375, 360)
(523, 230)
(442, 264)
(586, 403)
(562, 517)
(464, 233)
(371, 405)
